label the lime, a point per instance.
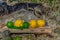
(10, 24)
(26, 25)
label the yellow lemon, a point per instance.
(40, 23)
(33, 23)
(18, 23)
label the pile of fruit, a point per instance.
(19, 24)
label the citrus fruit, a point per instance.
(26, 25)
(10, 24)
(18, 23)
(33, 23)
(41, 23)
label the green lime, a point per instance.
(26, 25)
(10, 24)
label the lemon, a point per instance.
(18, 23)
(33, 23)
(40, 23)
